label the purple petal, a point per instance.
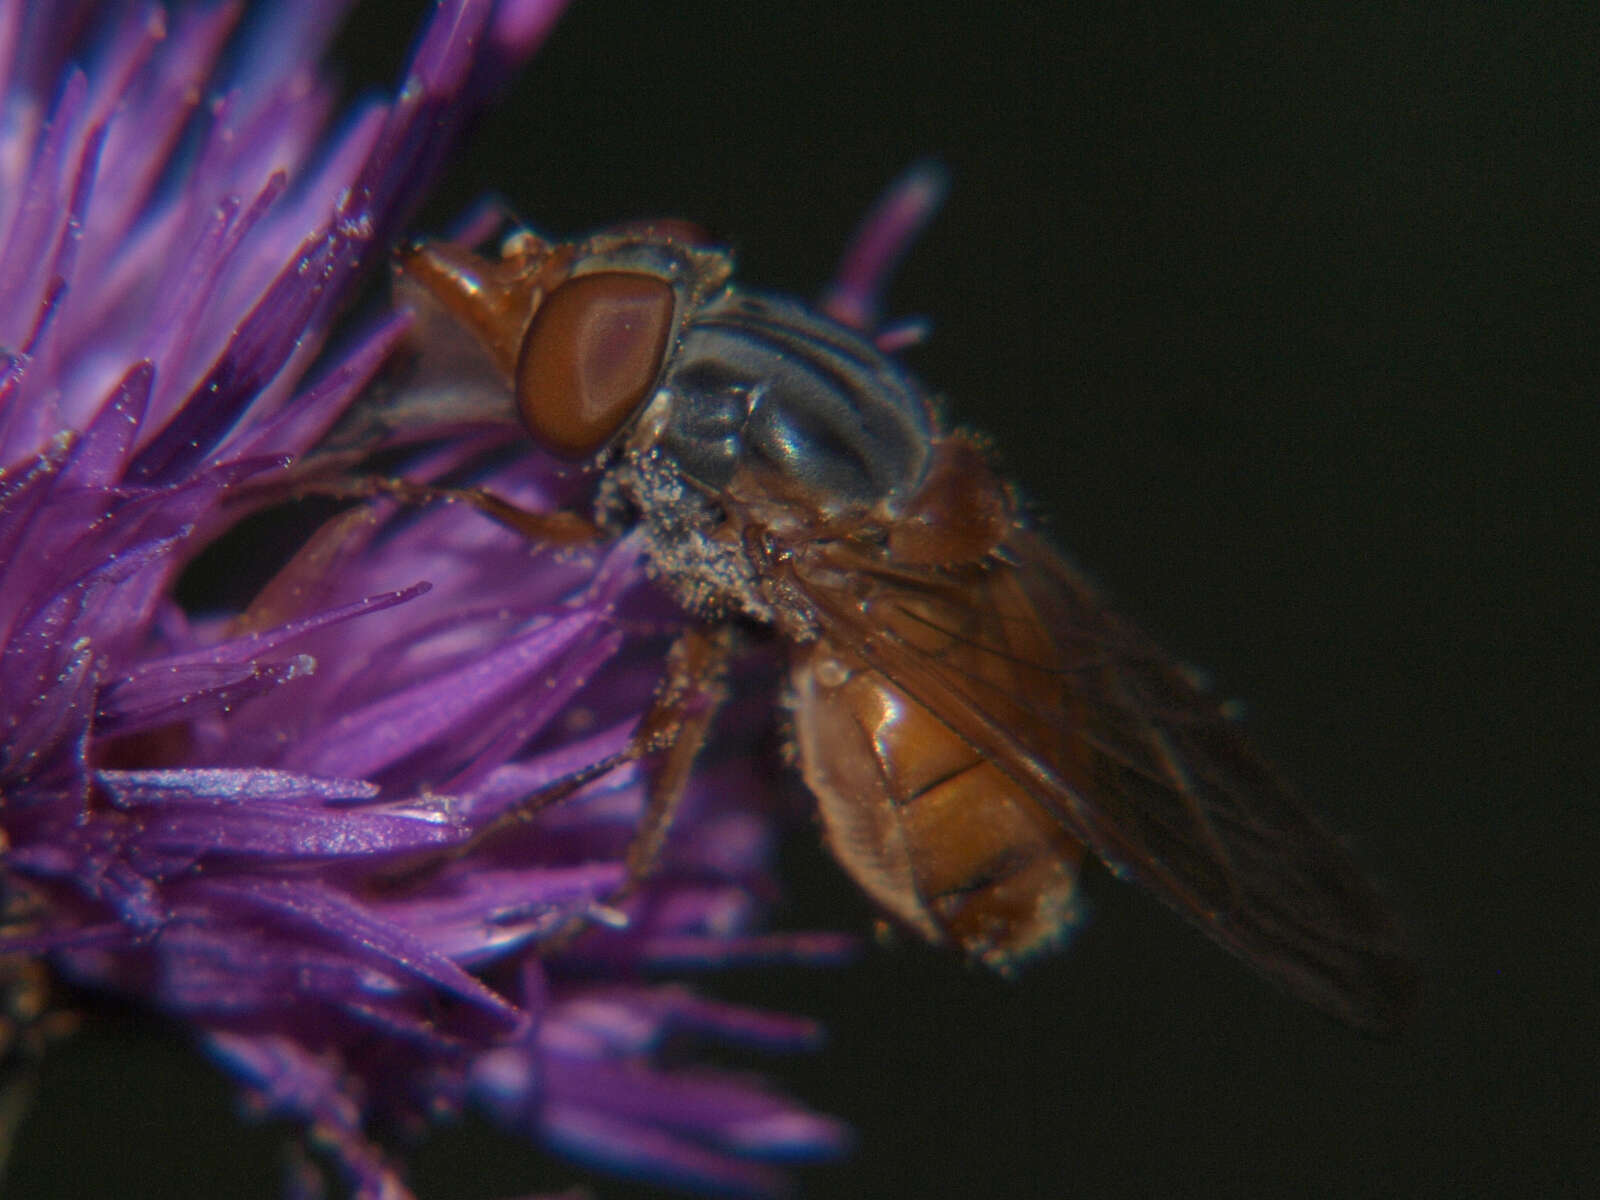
(317, 906)
(520, 26)
(260, 813)
(288, 831)
(856, 294)
(511, 783)
(254, 355)
(475, 916)
(366, 740)
(200, 687)
(128, 789)
(99, 460)
(517, 724)
(184, 686)
(245, 649)
(593, 1135)
(315, 411)
(298, 1082)
(23, 255)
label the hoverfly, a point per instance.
(970, 717)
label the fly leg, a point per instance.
(692, 690)
(687, 699)
(559, 528)
(299, 585)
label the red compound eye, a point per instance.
(590, 356)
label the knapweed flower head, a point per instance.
(347, 833)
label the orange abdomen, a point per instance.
(934, 832)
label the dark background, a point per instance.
(1286, 322)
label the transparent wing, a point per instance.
(1020, 657)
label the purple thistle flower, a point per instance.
(268, 825)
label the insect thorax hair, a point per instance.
(692, 546)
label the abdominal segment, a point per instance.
(934, 832)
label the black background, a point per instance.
(1286, 322)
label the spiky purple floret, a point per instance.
(269, 824)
